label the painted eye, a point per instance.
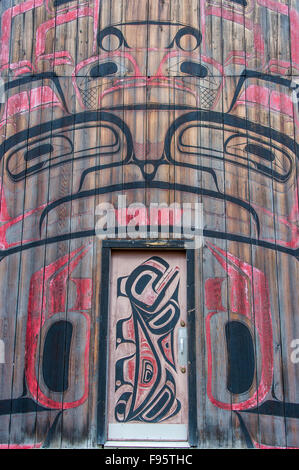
(56, 357)
(103, 70)
(264, 156)
(110, 39)
(194, 69)
(187, 39)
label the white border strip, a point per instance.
(148, 444)
(148, 431)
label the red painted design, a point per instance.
(44, 28)
(249, 296)
(4, 215)
(257, 445)
(290, 221)
(167, 349)
(129, 329)
(59, 16)
(229, 15)
(6, 25)
(241, 17)
(71, 5)
(9, 222)
(75, 5)
(213, 294)
(83, 294)
(162, 216)
(270, 99)
(21, 446)
(131, 370)
(47, 296)
(148, 370)
(294, 24)
(28, 101)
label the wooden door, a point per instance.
(148, 367)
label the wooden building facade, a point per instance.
(119, 120)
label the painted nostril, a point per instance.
(149, 168)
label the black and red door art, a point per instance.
(148, 372)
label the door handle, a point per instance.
(182, 347)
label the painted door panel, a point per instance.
(148, 385)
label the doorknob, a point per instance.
(182, 347)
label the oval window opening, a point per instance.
(240, 352)
(56, 356)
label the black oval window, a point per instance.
(240, 352)
(56, 356)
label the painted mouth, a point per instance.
(91, 232)
(153, 91)
(117, 188)
(273, 160)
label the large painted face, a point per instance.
(145, 99)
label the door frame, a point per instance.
(107, 247)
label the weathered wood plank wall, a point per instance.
(160, 101)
